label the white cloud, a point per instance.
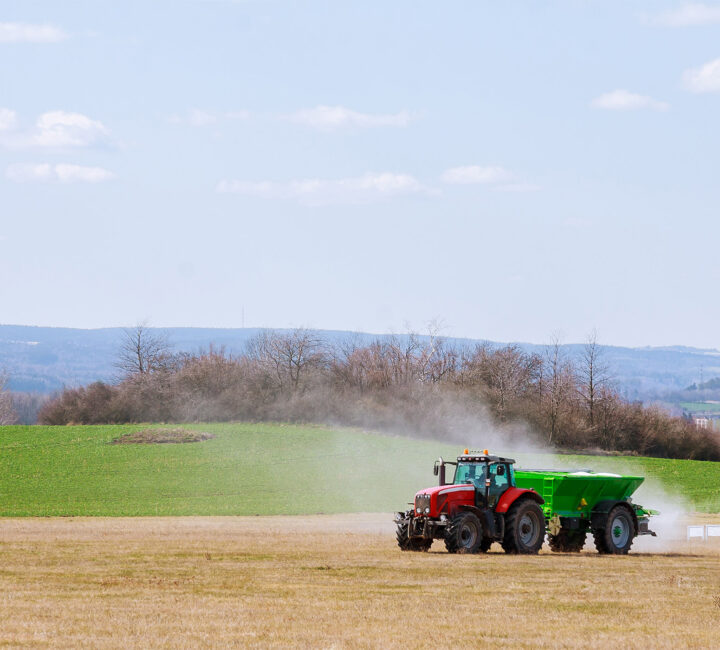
(54, 130)
(705, 79)
(26, 33)
(61, 129)
(61, 173)
(8, 119)
(623, 100)
(494, 176)
(198, 117)
(690, 15)
(67, 173)
(475, 174)
(361, 189)
(329, 118)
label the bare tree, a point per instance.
(442, 363)
(143, 351)
(435, 359)
(503, 375)
(593, 375)
(608, 416)
(360, 366)
(27, 406)
(557, 386)
(401, 354)
(288, 358)
(7, 412)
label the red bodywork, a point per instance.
(512, 494)
(447, 499)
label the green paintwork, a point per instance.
(564, 491)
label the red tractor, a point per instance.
(482, 505)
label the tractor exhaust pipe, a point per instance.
(439, 470)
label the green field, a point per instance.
(701, 407)
(250, 469)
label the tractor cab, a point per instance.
(490, 475)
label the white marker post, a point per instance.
(712, 530)
(695, 532)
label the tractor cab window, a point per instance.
(498, 476)
(499, 481)
(470, 473)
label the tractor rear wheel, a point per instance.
(463, 534)
(412, 544)
(617, 536)
(524, 528)
(567, 541)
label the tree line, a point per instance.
(410, 384)
(8, 415)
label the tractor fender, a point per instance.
(599, 514)
(511, 495)
(478, 513)
(486, 519)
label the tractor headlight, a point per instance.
(427, 511)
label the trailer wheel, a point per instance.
(412, 544)
(567, 541)
(617, 536)
(463, 534)
(524, 528)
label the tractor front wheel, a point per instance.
(463, 534)
(524, 528)
(413, 543)
(619, 532)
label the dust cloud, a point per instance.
(452, 427)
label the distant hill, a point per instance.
(44, 359)
(711, 384)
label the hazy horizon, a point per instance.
(422, 331)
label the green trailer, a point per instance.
(582, 501)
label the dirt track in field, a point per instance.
(335, 581)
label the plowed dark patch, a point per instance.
(161, 437)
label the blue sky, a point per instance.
(510, 169)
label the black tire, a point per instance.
(567, 541)
(599, 539)
(524, 528)
(463, 534)
(619, 532)
(414, 544)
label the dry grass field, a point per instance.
(334, 582)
